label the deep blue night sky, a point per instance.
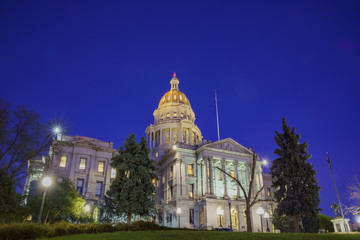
(103, 66)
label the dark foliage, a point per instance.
(293, 177)
(132, 191)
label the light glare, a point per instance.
(178, 210)
(46, 181)
(87, 208)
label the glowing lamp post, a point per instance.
(260, 211)
(178, 211)
(46, 182)
(57, 131)
(87, 209)
(267, 216)
(265, 162)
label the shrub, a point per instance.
(143, 226)
(123, 227)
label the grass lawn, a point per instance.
(206, 235)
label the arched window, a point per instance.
(162, 116)
(182, 115)
(167, 115)
(175, 114)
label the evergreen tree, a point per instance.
(293, 177)
(132, 191)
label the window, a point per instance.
(167, 115)
(175, 115)
(232, 174)
(171, 172)
(80, 186)
(63, 161)
(220, 216)
(99, 186)
(191, 216)
(101, 167)
(220, 175)
(171, 192)
(175, 138)
(268, 192)
(163, 179)
(82, 163)
(162, 116)
(167, 139)
(202, 216)
(191, 190)
(113, 173)
(190, 169)
(182, 115)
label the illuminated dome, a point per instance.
(174, 122)
(174, 95)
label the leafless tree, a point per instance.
(22, 137)
(354, 192)
(251, 197)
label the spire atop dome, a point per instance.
(174, 82)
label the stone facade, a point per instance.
(190, 179)
(85, 161)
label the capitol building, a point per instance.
(191, 191)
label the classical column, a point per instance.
(237, 177)
(196, 191)
(211, 176)
(191, 137)
(150, 136)
(170, 137)
(224, 178)
(181, 134)
(161, 137)
(206, 178)
(178, 178)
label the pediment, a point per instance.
(229, 144)
(86, 142)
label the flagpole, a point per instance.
(337, 193)
(217, 117)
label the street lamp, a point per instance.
(265, 162)
(231, 228)
(87, 209)
(178, 211)
(260, 211)
(267, 216)
(57, 132)
(46, 182)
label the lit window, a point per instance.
(113, 172)
(162, 116)
(167, 139)
(167, 115)
(175, 138)
(191, 169)
(80, 186)
(182, 115)
(191, 190)
(163, 179)
(157, 154)
(220, 175)
(233, 174)
(82, 163)
(171, 171)
(63, 161)
(268, 192)
(175, 114)
(101, 167)
(99, 186)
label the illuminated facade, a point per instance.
(189, 178)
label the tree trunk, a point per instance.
(248, 219)
(296, 222)
(129, 218)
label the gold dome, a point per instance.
(174, 95)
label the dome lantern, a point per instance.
(174, 82)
